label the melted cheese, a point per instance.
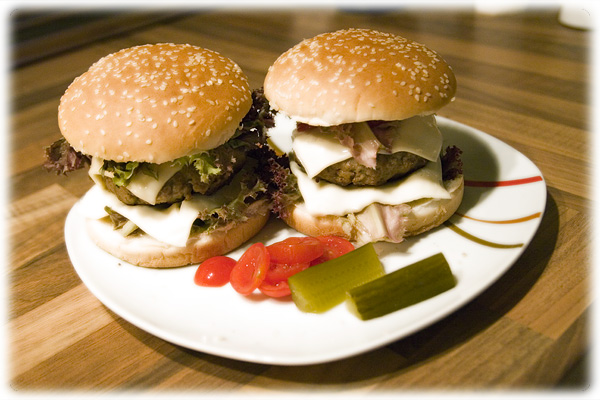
(94, 171)
(324, 198)
(420, 136)
(144, 186)
(317, 150)
(171, 225)
(280, 135)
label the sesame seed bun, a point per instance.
(357, 75)
(154, 103)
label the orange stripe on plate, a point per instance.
(479, 240)
(508, 221)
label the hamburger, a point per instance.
(169, 133)
(355, 124)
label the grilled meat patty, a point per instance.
(188, 181)
(389, 166)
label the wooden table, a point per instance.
(522, 78)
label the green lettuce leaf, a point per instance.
(122, 172)
(203, 162)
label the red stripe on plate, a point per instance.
(503, 183)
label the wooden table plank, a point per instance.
(41, 34)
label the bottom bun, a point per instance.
(423, 216)
(145, 251)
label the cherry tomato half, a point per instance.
(280, 272)
(296, 250)
(214, 271)
(250, 270)
(335, 246)
(279, 289)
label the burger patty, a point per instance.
(389, 166)
(188, 180)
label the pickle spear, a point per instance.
(402, 288)
(323, 286)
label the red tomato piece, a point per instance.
(280, 272)
(279, 289)
(335, 246)
(214, 272)
(250, 270)
(296, 250)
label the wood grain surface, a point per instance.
(523, 78)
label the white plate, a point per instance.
(168, 304)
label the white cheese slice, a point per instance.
(171, 225)
(420, 136)
(280, 135)
(324, 198)
(317, 150)
(94, 171)
(144, 186)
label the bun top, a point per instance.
(358, 75)
(154, 103)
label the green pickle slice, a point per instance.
(323, 286)
(402, 288)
